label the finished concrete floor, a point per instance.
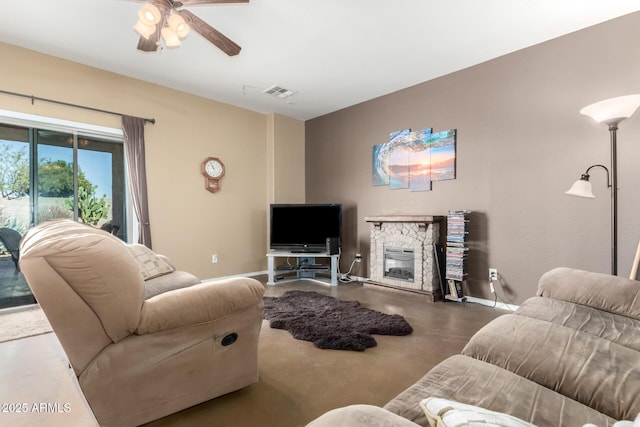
(298, 382)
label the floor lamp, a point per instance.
(609, 112)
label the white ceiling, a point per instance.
(333, 53)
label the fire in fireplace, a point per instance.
(399, 263)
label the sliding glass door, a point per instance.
(79, 177)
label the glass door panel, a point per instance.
(55, 176)
(14, 213)
(101, 190)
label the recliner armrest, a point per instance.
(613, 294)
(199, 303)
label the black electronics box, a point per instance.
(333, 245)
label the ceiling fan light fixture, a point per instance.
(144, 30)
(149, 14)
(177, 24)
(163, 23)
(170, 37)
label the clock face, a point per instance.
(214, 168)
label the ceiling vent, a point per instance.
(279, 92)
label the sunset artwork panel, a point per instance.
(379, 167)
(443, 155)
(381, 156)
(399, 169)
(420, 162)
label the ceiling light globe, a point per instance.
(170, 37)
(177, 24)
(149, 14)
(144, 30)
(614, 110)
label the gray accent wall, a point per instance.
(521, 142)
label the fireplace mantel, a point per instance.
(422, 220)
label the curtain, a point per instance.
(133, 128)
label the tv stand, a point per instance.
(305, 268)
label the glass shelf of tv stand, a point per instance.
(303, 273)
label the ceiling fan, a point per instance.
(163, 21)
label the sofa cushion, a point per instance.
(168, 282)
(610, 326)
(448, 413)
(474, 382)
(596, 372)
(605, 292)
(151, 264)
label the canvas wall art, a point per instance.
(413, 160)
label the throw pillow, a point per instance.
(150, 264)
(623, 423)
(447, 413)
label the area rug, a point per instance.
(22, 324)
(330, 323)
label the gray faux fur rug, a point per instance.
(330, 323)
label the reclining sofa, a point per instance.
(143, 339)
(566, 357)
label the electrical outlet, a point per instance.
(214, 259)
(493, 274)
(358, 258)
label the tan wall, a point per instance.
(285, 161)
(188, 223)
(289, 160)
(521, 143)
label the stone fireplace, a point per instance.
(402, 253)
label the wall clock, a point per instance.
(213, 171)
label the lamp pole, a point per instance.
(613, 128)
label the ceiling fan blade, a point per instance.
(192, 2)
(208, 32)
(150, 44)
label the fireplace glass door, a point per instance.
(399, 263)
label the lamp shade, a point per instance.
(614, 110)
(144, 30)
(149, 14)
(581, 188)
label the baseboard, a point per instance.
(253, 274)
(490, 303)
(475, 300)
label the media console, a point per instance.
(305, 267)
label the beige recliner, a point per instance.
(138, 360)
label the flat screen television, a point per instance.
(304, 227)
